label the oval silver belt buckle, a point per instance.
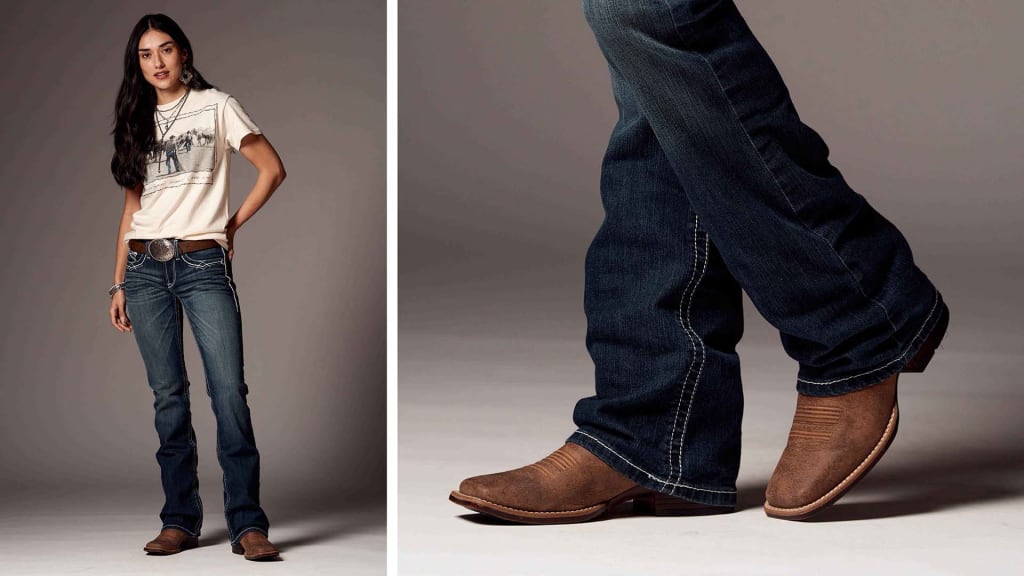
(161, 249)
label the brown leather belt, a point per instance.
(184, 246)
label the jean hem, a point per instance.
(192, 533)
(879, 373)
(691, 491)
(236, 539)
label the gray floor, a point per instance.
(948, 498)
(48, 532)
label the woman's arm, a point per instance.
(132, 203)
(257, 150)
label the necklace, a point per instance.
(162, 121)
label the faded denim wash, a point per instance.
(711, 186)
(201, 285)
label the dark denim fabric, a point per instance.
(712, 185)
(200, 284)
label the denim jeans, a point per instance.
(712, 185)
(200, 284)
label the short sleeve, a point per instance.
(237, 124)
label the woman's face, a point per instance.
(161, 60)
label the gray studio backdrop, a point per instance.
(505, 109)
(75, 410)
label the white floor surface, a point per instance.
(948, 498)
(47, 534)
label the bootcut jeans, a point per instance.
(711, 186)
(199, 283)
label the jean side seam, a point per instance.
(703, 358)
(649, 475)
(906, 350)
(693, 354)
(775, 180)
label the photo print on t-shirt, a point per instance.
(186, 154)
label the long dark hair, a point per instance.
(134, 129)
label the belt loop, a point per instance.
(177, 254)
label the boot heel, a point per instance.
(920, 360)
(658, 504)
(237, 549)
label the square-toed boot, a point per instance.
(254, 545)
(570, 485)
(170, 541)
(835, 441)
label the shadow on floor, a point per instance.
(956, 479)
(316, 520)
(953, 480)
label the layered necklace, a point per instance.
(164, 121)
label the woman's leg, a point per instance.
(664, 316)
(157, 324)
(835, 277)
(207, 292)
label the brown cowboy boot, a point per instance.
(255, 546)
(836, 440)
(570, 485)
(170, 541)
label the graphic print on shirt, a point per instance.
(186, 154)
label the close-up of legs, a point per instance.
(712, 186)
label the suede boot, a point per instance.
(570, 485)
(170, 541)
(253, 545)
(835, 441)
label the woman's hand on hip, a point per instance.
(231, 229)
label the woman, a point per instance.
(174, 251)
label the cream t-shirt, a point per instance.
(185, 195)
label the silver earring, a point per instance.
(186, 76)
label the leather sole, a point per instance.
(645, 502)
(187, 544)
(916, 364)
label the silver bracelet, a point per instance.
(115, 289)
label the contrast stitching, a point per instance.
(703, 357)
(897, 359)
(247, 530)
(775, 180)
(231, 283)
(496, 505)
(693, 348)
(137, 265)
(198, 264)
(183, 529)
(649, 475)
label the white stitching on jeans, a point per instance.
(199, 264)
(703, 357)
(183, 529)
(693, 348)
(649, 475)
(228, 278)
(935, 305)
